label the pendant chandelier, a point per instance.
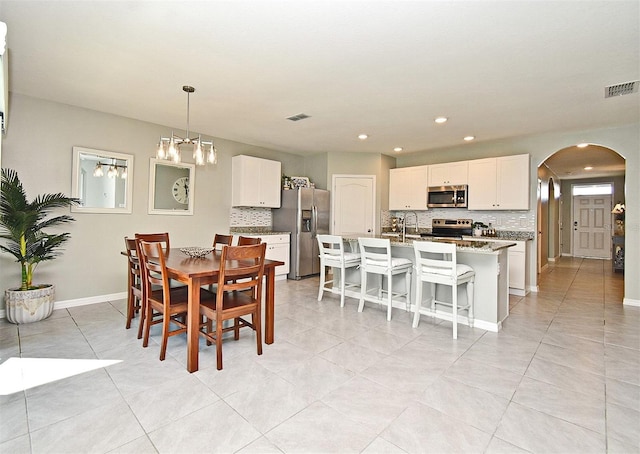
(169, 148)
(114, 169)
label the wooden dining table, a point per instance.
(196, 272)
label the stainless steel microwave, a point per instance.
(447, 196)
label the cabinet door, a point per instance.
(458, 172)
(408, 188)
(438, 175)
(270, 177)
(482, 184)
(279, 252)
(517, 269)
(513, 182)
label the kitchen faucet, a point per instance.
(404, 224)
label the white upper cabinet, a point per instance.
(499, 183)
(255, 182)
(408, 188)
(451, 173)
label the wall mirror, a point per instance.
(171, 187)
(102, 180)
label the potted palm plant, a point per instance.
(21, 227)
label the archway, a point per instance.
(557, 175)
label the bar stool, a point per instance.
(332, 255)
(375, 258)
(436, 263)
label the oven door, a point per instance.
(441, 197)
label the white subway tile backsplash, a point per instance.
(250, 217)
(502, 220)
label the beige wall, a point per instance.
(39, 145)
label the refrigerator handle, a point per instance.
(314, 220)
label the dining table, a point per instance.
(199, 271)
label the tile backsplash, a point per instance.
(501, 220)
(254, 217)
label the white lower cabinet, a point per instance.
(518, 265)
(277, 249)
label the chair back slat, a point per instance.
(375, 251)
(331, 246)
(154, 268)
(433, 257)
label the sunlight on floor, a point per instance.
(19, 374)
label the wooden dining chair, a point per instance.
(134, 284)
(234, 300)
(156, 238)
(222, 240)
(248, 240)
(164, 305)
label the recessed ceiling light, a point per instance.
(441, 120)
(588, 168)
(363, 136)
(397, 149)
(469, 138)
(582, 145)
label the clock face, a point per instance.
(180, 190)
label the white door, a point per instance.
(592, 226)
(353, 204)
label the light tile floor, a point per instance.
(562, 376)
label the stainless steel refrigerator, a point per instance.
(305, 213)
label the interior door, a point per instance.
(592, 226)
(353, 204)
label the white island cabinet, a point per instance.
(490, 261)
(255, 182)
(499, 183)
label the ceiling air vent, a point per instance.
(298, 117)
(621, 89)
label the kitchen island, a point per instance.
(490, 261)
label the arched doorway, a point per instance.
(557, 175)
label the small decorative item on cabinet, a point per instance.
(478, 227)
(300, 182)
(618, 253)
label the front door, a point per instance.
(353, 204)
(592, 226)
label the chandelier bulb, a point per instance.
(124, 173)
(98, 172)
(212, 157)
(161, 153)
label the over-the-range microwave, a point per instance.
(447, 196)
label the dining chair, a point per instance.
(164, 305)
(248, 240)
(234, 300)
(375, 258)
(332, 255)
(156, 238)
(222, 240)
(437, 264)
(134, 284)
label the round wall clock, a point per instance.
(180, 190)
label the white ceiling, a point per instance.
(386, 68)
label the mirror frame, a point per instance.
(76, 179)
(153, 209)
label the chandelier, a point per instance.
(169, 148)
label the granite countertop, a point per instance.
(512, 235)
(256, 231)
(475, 245)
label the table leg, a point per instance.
(270, 305)
(193, 325)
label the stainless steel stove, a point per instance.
(450, 228)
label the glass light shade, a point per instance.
(98, 172)
(161, 153)
(212, 157)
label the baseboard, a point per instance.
(518, 292)
(631, 302)
(534, 289)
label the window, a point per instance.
(592, 189)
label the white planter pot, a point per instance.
(28, 306)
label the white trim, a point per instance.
(631, 302)
(81, 301)
(89, 300)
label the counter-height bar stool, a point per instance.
(375, 258)
(436, 263)
(332, 255)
